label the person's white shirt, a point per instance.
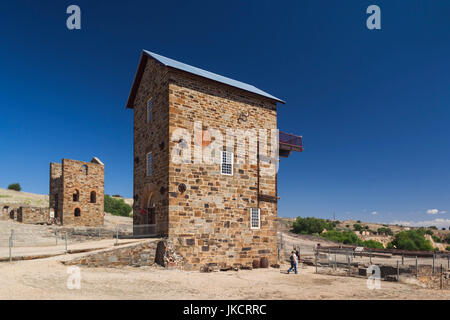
(295, 259)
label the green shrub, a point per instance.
(447, 248)
(436, 239)
(412, 240)
(311, 225)
(385, 231)
(433, 227)
(447, 238)
(357, 227)
(116, 196)
(345, 237)
(14, 186)
(429, 232)
(373, 244)
(117, 207)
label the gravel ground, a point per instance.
(47, 278)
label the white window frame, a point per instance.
(149, 110)
(251, 218)
(149, 173)
(231, 155)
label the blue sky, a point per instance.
(373, 106)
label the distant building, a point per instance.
(218, 213)
(77, 192)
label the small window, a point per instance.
(149, 110)
(77, 212)
(93, 197)
(149, 164)
(226, 166)
(76, 196)
(255, 218)
(84, 169)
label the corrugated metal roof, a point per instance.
(209, 75)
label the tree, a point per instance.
(385, 231)
(447, 238)
(311, 225)
(117, 206)
(413, 240)
(373, 244)
(345, 237)
(14, 186)
(357, 227)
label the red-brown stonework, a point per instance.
(207, 220)
(77, 192)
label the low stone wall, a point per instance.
(136, 255)
(32, 215)
(8, 211)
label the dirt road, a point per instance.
(47, 279)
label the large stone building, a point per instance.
(77, 192)
(220, 209)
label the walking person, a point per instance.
(294, 262)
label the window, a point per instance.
(255, 218)
(76, 196)
(84, 169)
(149, 110)
(226, 165)
(93, 197)
(77, 212)
(149, 164)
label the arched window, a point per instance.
(77, 212)
(76, 196)
(84, 169)
(93, 197)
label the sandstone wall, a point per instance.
(8, 211)
(136, 255)
(210, 221)
(75, 178)
(32, 215)
(151, 137)
(55, 192)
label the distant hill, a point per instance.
(25, 198)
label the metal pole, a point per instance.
(66, 242)
(10, 252)
(448, 261)
(117, 236)
(441, 278)
(56, 236)
(417, 268)
(433, 264)
(99, 233)
(398, 272)
(335, 264)
(316, 253)
(370, 257)
(348, 264)
(403, 258)
(12, 237)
